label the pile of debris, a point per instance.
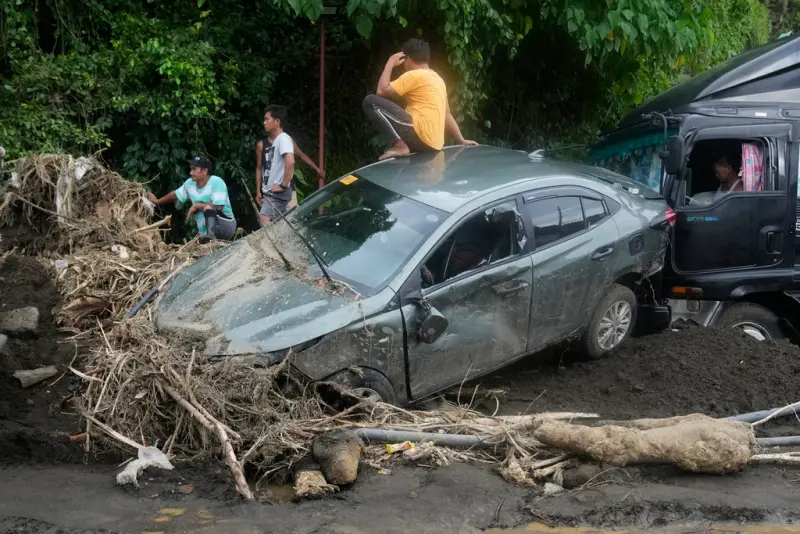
(143, 391)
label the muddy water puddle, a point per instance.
(674, 529)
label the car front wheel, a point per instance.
(611, 323)
(367, 384)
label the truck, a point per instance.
(723, 148)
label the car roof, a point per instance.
(452, 177)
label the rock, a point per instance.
(338, 453)
(309, 482)
(20, 321)
(3, 341)
(552, 489)
(575, 478)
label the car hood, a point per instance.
(242, 300)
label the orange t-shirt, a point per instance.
(426, 95)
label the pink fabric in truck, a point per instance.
(752, 172)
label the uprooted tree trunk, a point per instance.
(695, 443)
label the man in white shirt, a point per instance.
(277, 166)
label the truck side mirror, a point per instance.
(673, 155)
(432, 327)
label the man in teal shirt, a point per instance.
(210, 204)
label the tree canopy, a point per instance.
(151, 82)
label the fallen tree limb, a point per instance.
(786, 410)
(230, 456)
(552, 470)
(163, 222)
(789, 458)
(111, 432)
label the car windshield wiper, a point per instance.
(285, 261)
(320, 261)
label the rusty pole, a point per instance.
(321, 163)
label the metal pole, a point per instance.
(322, 102)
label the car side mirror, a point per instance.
(432, 327)
(673, 155)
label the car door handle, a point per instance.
(602, 253)
(507, 288)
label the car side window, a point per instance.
(555, 218)
(593, 210)
(483, 239)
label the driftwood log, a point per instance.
(34, 376)
(694, 443)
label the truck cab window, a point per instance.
(720, 166)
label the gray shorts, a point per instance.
(227, 228)
(274, 204)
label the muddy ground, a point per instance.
(48, 484)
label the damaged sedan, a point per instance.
(413, 274)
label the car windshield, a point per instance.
(362, 231)
(636, 157)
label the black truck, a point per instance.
(723, 148)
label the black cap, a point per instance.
(200, 161)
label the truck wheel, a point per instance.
(369, 384)
(754, 320)
(612, 322)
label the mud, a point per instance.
(34, 424)
(715, 372)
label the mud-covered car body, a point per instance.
(445, 266)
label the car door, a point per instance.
(485, 300)
(727, 237)
(575, 250)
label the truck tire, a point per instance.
(755, 320)
(612, 322)
(369, 384)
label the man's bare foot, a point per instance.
(395, 152)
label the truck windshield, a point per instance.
(636, 157)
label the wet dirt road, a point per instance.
(454, 499)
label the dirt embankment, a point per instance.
(710, 371)
(34, 426)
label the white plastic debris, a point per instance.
(82, 166)
(15, 181)
(148, 457)
(121, 250)
(61, 265)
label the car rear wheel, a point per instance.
(367, 384)
(754, 320)
(612, 322)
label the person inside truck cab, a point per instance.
(728, 176)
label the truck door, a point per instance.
(733, 202)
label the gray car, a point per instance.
(414, 274)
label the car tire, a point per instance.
(616, 312)
(367, 383)
(755, 320)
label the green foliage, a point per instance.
(632, 28)
(151, 83)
